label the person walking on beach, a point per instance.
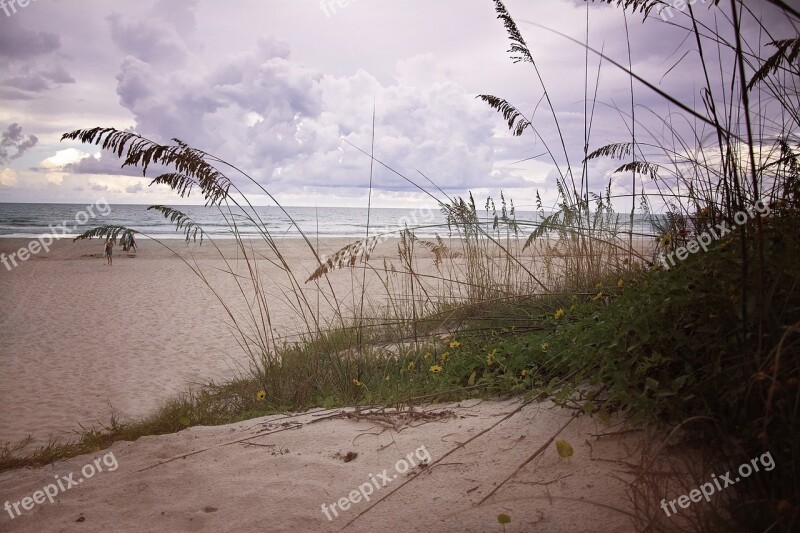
(109, 249)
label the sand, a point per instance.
(83, 341)
(275, 473)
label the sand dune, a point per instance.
(275, 473)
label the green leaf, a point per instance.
(679, 382)
(472, 377)
(651, 384)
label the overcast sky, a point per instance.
(280, 88)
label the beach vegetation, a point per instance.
(573, 307)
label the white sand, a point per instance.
(278, 479)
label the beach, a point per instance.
(521, 267)
(83, 341)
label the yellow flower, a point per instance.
(598, 295)
(545, 346)
(490, 357)
(436, 369)
(444, 357)
(559, 314)
(524, 373)
(427, 355)
(411, 365)
(357, 383)
(455, 344)
(621, 283)
(260, 395)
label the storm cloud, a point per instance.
(287, 92)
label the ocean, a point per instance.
(31, 220)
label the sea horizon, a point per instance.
(32, 220)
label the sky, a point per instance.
(288, 92)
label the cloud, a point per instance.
(105, 164)
(8, 177)
(281, 90)
(40, 81)
(152, 40)
(12, 94)
(19, 43)
(290, 126)
(32, 63)
(55, 167)
(164, 36)
(14, 144)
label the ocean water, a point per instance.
(32, 220)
